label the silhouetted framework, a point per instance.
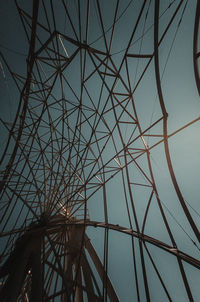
(77, 131)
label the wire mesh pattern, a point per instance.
(78, 181)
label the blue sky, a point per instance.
(95, 130)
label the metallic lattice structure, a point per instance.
(78, 167)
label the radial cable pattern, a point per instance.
(100, 165)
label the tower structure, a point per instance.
(79, 163)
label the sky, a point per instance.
(92, 135)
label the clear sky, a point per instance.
(93, 132)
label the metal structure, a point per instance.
(78, 158)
